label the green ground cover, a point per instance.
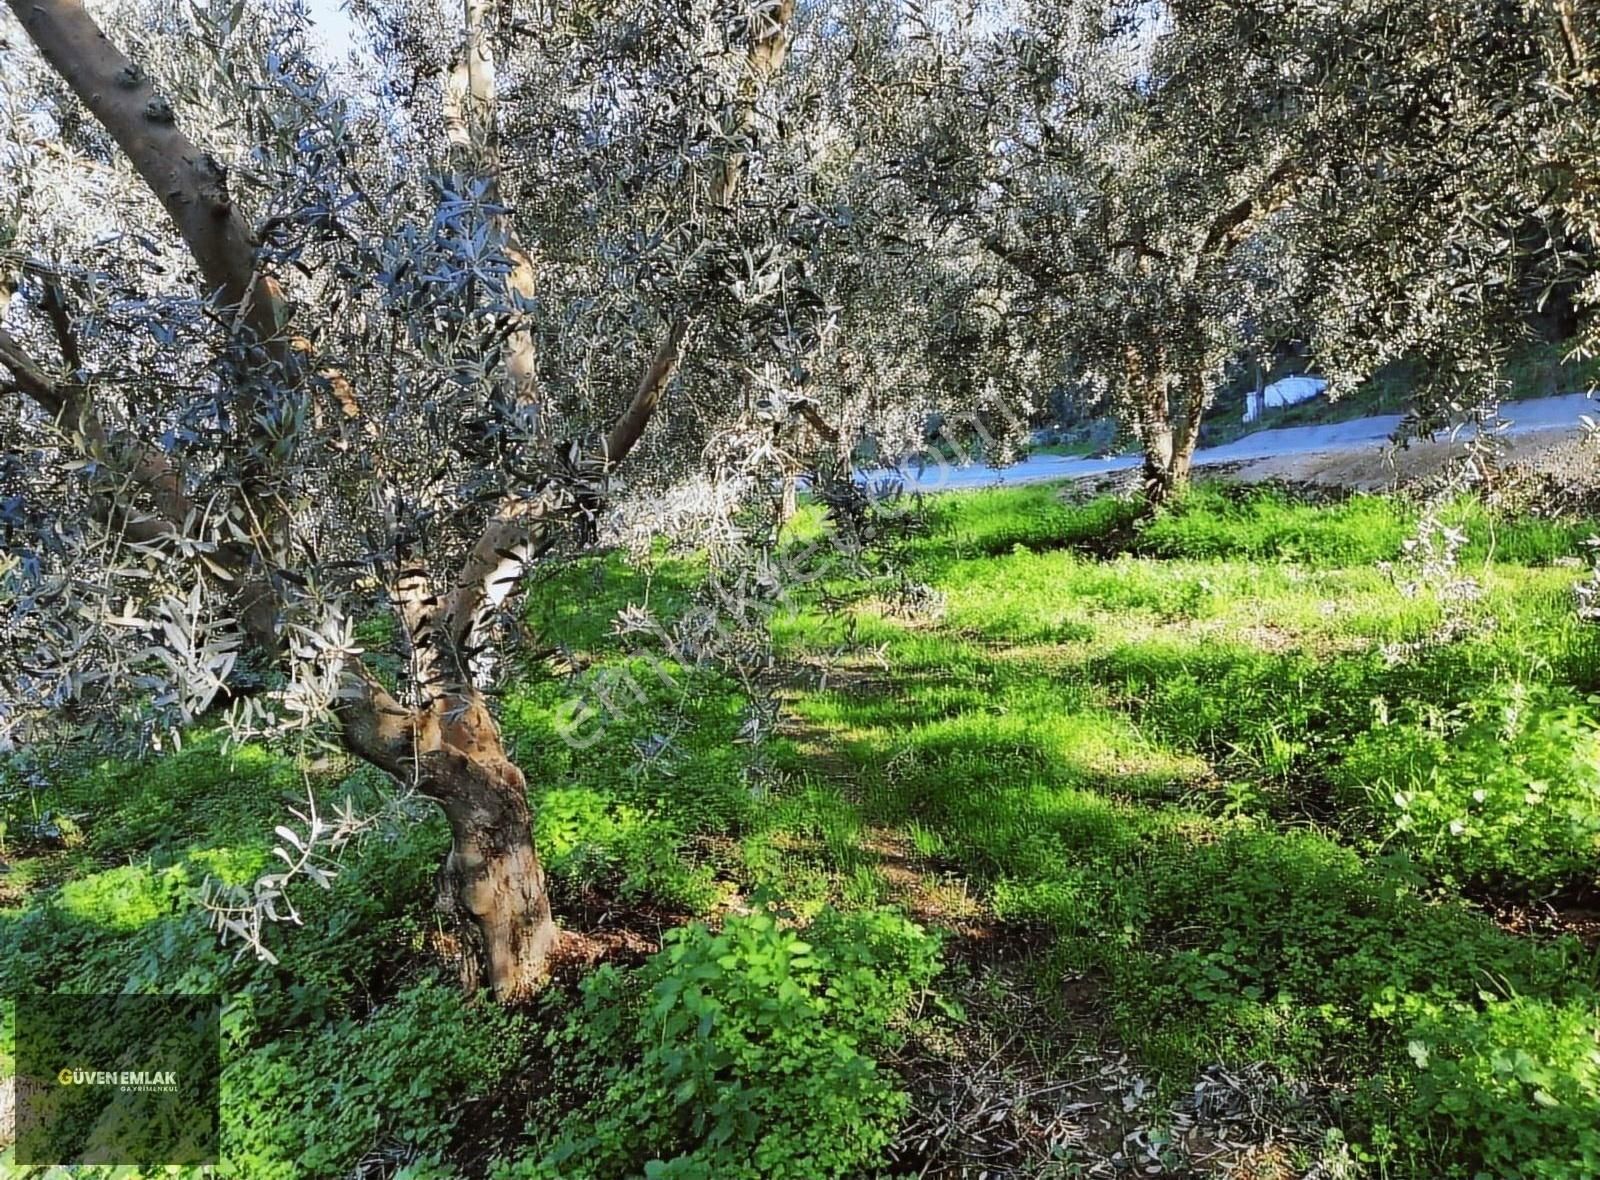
(1224, 792)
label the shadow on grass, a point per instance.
(1231, 938)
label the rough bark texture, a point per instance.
(190, 184)
(491, 886)
(1169, 444)
(492, 873)
(469, 117)
(1159, 455)
(1187, 435)
(788, 499)
(492, 877)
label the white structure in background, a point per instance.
(1282, 393)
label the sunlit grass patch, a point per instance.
(1253, 524)
(165, 800)
(123, 899)
(992, 522)
(1134, 757)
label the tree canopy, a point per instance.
(289, 348)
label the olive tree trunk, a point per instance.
(1168, 438)
(491, 881)
(491, 886)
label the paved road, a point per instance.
(1546, 413)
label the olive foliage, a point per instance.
(1175, 190)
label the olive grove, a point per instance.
(1169, 191)
(287, 348)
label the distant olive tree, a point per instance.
(1459, 212)
(1175, 187)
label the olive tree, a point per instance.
(286, 354)
(1460, 211)
(1174, 187)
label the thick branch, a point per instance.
(768, 49)
(55, 306)
(1043, 272)
(821, 425)
(418, 608)
(190, 184)
(68, 403)
(63, 402)
(525, 529)
(653, 382)
(1231, 225)
(374, 726)
(470, 125)
(1566, 15)
(29, 376)
(522, 532)
(469, 97)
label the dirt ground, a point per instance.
(1565, 464)
(1558, 453)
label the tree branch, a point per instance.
(1140, 248)
(67, 403)
(525, 529)
(825, 430)
(374, 726)
(55, 306)
(627, 429)
(1229, 226)
(1566, 17)
(190, 184)
(470, 120)
(29, 376)
(769, 48)
(1043, 272)
(70, 405)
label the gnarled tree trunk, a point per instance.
(1186, 435)
(491, 886)
(491, 881)
(1166, 468)
(788, 498)
(1153, 425)
(1156, 440)
(492, 876)
(1168, 436)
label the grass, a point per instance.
(1146, 757)
(1081, 449)
(1161, 760)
